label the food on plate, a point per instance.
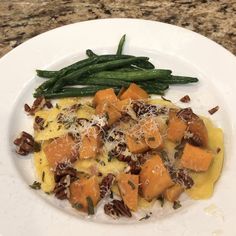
(119, 149)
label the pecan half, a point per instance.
(214, 110)
(73, 108)
(64, 175)
(61, 189)
(109, 210)
(38, 104)
(117, 208)
(106, 185)
(185, 99)
(62, 170)
(135, 167)
(25, 144)
(181, 177)
(186, 114)
(39, 123)
(141, 108)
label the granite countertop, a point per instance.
(21, 20)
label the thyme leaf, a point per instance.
(90, 206)
(176, 205)
(36, 185)
(132, 185)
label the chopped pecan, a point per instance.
(179, 149)
(39, 123)
(61, 189)
(185, 99)
(64, 175)
(135, 167)
(141, 108)
(193, 139)
(181, 177)
(38, 104)
(214, 110)
(64, 169)
(25, 144)
(48, 104)
(109, 210)
(117, 208)
(73, 108)
(186, 114)
(121, 208)
(118, 152)
(106, 185)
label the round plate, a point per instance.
(26, 212)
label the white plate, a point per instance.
(26, 212)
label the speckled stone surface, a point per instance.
(21, 20)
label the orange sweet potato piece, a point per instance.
(172, 194)
(136, 145)
(111, 111)
(62, 149)
(81, 189)
(128, 187)
(196, 158)
(199, 131)
(176, 127)
(104, 95)
(134, 92)
(90, 144)
(122, 104)
(154, 178)
(152, 135)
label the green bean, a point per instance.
(74, 92)
(80, 64)
(154, 91)
(85, 62)
(55, 75)
(88, 91)
(94, 81)
(67, 69)
(121, 45)
(128, 68)
(133, 76)
(49, 83)
(93, 69)
(144, 65)
(177, 80)
(154, 84)
(90, 53)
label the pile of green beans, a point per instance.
(107, 71)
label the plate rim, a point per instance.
(22, 46)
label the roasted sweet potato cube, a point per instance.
(199, 131)
(136, 145)
(154, 178)
(128, 187)
(90, 143)
(152, 134)
(121, 105)
(134, 92)
(104, 95)
(62, 149)
(196, 158)
(110, 110)
(172, 194)
(81, 190)
(176, 127)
